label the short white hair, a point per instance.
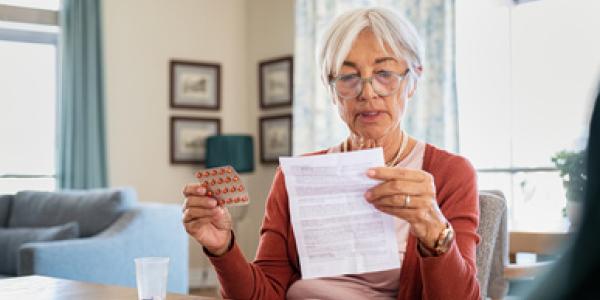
(388, 27)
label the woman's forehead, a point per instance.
(367, 48)
(385, 60)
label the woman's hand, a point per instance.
(420, 209)
(206, 222)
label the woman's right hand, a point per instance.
(205, 221)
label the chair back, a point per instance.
(492, 250)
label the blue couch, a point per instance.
(106, 230)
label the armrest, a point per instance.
(146, 230)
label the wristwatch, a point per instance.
(442, 244)
(444, 241)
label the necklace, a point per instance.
(396, 158)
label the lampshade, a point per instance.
(234, 150)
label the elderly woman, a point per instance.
(371, 60)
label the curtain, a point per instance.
(431, 115)
(81, 138)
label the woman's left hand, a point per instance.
(408, 194)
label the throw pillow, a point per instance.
(93, 210)
(11, 240)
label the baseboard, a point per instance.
(203, 278)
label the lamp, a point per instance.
(234, 150)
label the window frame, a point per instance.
(31, 16)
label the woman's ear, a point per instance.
(413, 88)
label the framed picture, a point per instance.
(188, 138)
(275, 135)
(195, 85)
(275, 82)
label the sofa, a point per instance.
(91, 236)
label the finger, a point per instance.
(194, 213)
(410, 215)
(388, 173)
(400, 201)
(395, 187)
(194, 189)
(196, 221)
(200, 202)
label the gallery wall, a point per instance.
(140, 38)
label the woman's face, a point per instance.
(370, 115)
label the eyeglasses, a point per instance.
(384, 83)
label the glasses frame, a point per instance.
(370, 81)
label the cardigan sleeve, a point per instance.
(272, 272)
(453, 274)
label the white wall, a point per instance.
(140, 37)
(270, 33)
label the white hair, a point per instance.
(388, 27)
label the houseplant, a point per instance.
(571, 165)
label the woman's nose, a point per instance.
(367, 90)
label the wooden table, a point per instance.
(540, 243)
(49, 288)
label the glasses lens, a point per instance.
(386, 83)
(348, 86)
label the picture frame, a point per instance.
(188, 138)
(275, 84)
(195, 85)
(275, 137)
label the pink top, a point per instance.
(375, 285)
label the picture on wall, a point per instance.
(188, 138)
(276, 77)
(275, 135)
(195, 85)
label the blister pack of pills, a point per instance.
(225, 185)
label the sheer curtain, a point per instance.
(431, 115)
(82, 153)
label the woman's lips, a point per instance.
(370, 116)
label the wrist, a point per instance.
(220, 250)
(441, 244)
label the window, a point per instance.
(526, 78)
(28, 92)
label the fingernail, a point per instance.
(371, 173)
(368, 194)
(201, 190)
(212, 202)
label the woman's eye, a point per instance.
(383, 74)
(348, 77)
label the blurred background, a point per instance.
(507, 84)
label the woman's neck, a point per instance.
(391, 144)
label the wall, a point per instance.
(139, 39)
(270, 33)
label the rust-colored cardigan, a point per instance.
(449, 276)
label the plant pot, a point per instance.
(574, 211)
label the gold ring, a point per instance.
(406, 200)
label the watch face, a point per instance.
(446, 240)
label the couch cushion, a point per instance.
(93, 210)
(5, 201)
(11, 240)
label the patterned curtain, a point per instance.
(430, 116)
